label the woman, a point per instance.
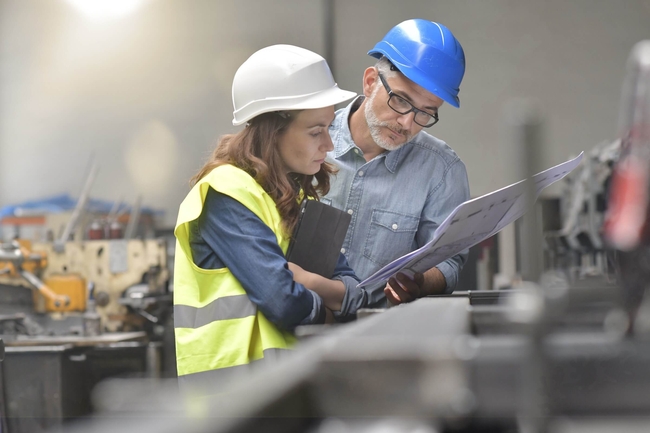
(236, 299)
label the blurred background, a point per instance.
(144, 85)
(107, 109)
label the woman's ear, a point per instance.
(370, 78)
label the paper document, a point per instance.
(473, 221)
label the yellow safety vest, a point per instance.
(215, 323)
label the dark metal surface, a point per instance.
(46, 386)
(38, 384)
(429, 362)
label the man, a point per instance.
(397, 181)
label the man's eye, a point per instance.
(403, 102)
(315, 134)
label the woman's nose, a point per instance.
(328, 142)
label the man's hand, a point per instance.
(404, 289)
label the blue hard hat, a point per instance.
(428, 54)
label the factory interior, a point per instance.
(109, 107)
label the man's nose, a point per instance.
(406, 120)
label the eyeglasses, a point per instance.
(402, 106)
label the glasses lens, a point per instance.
(399, 104)
(424, 119)
(402, 106)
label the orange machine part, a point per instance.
(71, 285)
(33, 261)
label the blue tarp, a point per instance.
(63, 203)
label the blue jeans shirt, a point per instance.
(227, 234)
(397, 200)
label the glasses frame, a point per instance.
(392, 95)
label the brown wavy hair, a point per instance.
(255, 150)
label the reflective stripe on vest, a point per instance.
(216, 325)
(226, 308)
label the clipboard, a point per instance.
(318, 237)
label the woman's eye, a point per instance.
(315, 134)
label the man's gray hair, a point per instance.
(384, 66)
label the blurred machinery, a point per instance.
(578, 245)
(627, 227)
(96, 267)
(116, 279)
(76, 310)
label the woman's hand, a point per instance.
(332, 291)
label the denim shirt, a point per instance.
(227, 234)
(397, 200)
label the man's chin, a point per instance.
(384, 144)
(387, 139)
(392, 142)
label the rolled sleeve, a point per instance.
(453, 190)
(451, 268)
(317, 315)
(355, 298)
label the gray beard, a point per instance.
(375, 125)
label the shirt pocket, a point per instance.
(326, 200)
(391, 235)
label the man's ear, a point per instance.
(370, 78)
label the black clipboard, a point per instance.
(317, 239)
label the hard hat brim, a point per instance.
(326, 98)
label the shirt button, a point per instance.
(342, 250)
(356, 151)
(394, 226)
(361, 173)
(350, 211)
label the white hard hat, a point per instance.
(283, 77)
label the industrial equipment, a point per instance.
(76, 310)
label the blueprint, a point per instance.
(473, 221)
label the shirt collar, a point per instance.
(340, 130)
(342, 137)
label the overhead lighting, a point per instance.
(103, 9)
